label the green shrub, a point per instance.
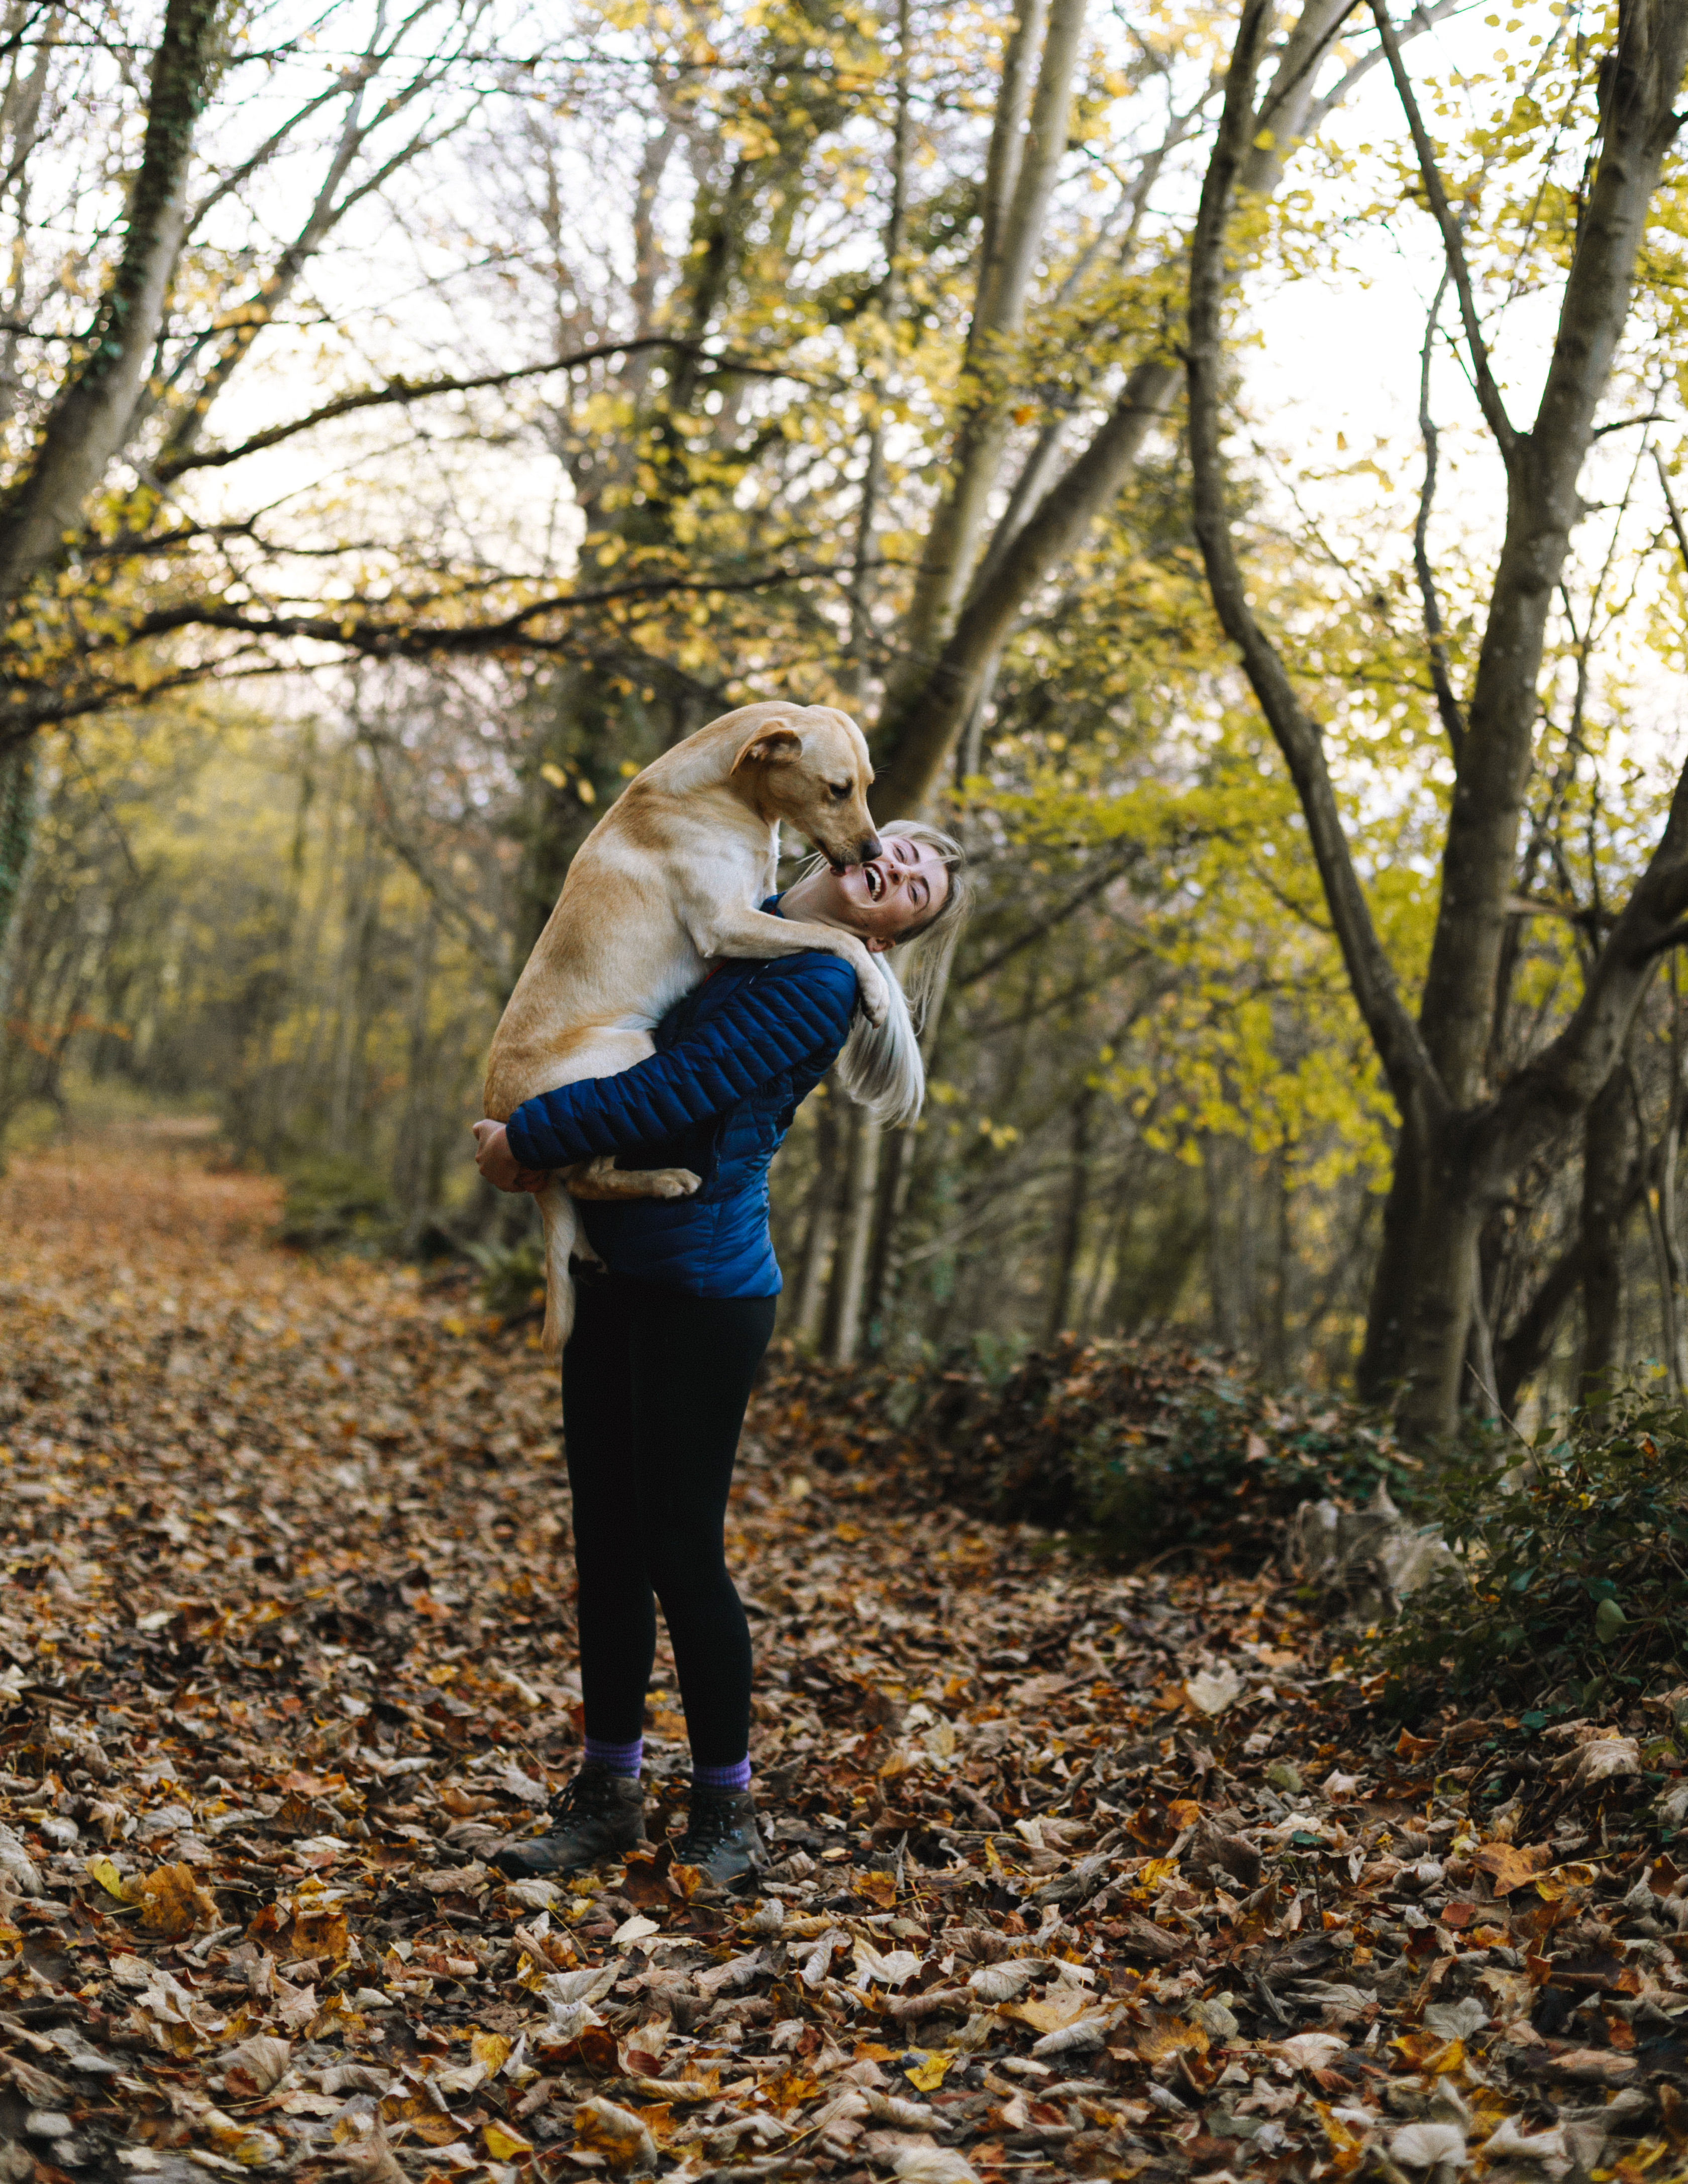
(512, 1275)
(1577, 1550)
(336, 1203)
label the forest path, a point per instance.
(286, 1648)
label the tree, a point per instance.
(1464, 1136)
(107, 416)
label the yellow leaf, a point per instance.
(1511, 1866)
(1157, 2041)
(1335, 2129)
(553, 774)
(1425, 2051)
(502, 2143)
(490, 2050)
(1061, 2007)
(1553, 1886)
(100, 1867)
(929, 2074)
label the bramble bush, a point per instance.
(1576, 1545)
(1135, 1450)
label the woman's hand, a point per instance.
(499, 1165)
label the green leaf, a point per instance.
(1608, 1620)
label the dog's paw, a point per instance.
(673, 1182)
(876, 1001)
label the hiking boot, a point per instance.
(722, 1835)
(598, 1815)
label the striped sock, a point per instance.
(619, 1758)
(735, 1777)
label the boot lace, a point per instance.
(711, 1825)
(589, 1797)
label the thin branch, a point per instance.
(417, 390)
(1625, 424)
(1676, 523)
(414, 641)
(1488, 393)
(1447, 702)
(1075, 902)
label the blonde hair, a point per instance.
(881, 1067)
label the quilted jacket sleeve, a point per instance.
(796, 1008)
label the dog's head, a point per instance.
(807, 765)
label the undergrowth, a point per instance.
(1136, 1450)
(1576, 1547)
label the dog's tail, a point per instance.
(561, 1221)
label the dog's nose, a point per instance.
(872, 848)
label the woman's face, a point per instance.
(903, 886)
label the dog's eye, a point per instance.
(838, 790)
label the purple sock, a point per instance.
(735, 1777)
(619, 1758)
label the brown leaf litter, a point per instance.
(1075, 1873)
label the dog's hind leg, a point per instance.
(562, 1225)
(601, 1178)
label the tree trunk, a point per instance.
(927, 707)
(1608, 1131)
(1070, 1236)
(17, 835)
(1383, 1357)
(1222, 1286)
(850, 1260)
(957, 535)
(90, 421)
(810, 1301)
(1520, 1356)
(1464, 1139)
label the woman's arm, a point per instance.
(796, 1008)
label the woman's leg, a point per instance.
(694, 1359)
(616, 1613)
(601, 1812)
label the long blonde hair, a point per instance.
(881, 1067)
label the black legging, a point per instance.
(654, 1386)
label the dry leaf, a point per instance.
(256, 2065)
(1510, 1865)
(172, 1901)
(1600, 1760)
(1310, 2051)
(918, 2160)
(1212, 1690)
(1426, 2145)
(620, 2135)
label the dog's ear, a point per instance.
(772, 746)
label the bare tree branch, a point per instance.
(1399, 1044)
(1441, 681)
(1488, 393)
(405, 391)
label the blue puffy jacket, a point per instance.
(733, 1060)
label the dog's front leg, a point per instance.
(758, 934)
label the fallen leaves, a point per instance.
(289, 1651)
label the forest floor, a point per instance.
(1075, 1872)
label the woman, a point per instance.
(669, 1332)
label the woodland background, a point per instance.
(415, 421)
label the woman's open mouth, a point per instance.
(876, 881)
